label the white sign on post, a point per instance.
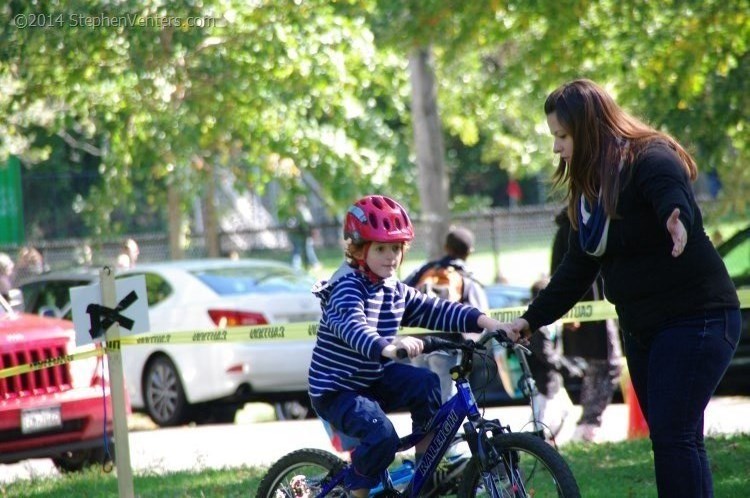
(91, 320)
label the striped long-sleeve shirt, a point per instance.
(360, 318)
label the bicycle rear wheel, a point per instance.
(301, 473)
(523, 465)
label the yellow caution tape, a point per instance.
(585, 311)
(50, 362)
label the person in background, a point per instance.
(83, 255)
(354, 379)
(552, 404)
(6, 275)
(515, 194)
(636, 221)
(128, 256)
(459, 244)
(29, 262)
(301, 235)
(597, 343)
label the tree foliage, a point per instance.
(272, 90)
(281, 91)
(682, 66)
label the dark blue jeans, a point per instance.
(362, 415)
(674, 378)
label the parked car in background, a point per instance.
(735, 252)
(208, 382)
(56, 412)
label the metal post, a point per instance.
(117, 389)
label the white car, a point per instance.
(178, 383)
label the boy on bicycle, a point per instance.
(353, 378)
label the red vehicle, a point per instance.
(56, 412)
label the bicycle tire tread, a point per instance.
(296, 458)
(556, 464)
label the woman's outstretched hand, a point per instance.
(677, 231)
(491, 324)
(515, 329)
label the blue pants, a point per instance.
(362, 415)
(303, 253)
(674, 378)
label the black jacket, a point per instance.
(590, 340)
(647, 285)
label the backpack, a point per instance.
(445, 282)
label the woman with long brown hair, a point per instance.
(636, 221)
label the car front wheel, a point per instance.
(163, 393)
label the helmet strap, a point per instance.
(362, 265)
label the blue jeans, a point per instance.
(674, 377)
(303, 253)
(362, 415)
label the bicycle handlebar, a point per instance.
(439, 344)
(432, 344)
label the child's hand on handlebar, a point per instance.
(411, 345)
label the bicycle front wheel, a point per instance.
(521, 465)
(300, 473)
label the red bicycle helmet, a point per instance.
(376, 218)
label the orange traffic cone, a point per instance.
(637, 425)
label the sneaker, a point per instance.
(586, 433)
(447, 475)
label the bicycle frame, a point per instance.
(444, 426)
(502, 461)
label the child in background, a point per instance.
(353, 379)
(459, 244)
(547, 364)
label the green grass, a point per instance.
(626, 469)
(614, 470)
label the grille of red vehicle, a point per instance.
(46, 380)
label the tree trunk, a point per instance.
(210, 217)
(428, 140)
(175, 223)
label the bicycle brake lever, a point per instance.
(522, 348)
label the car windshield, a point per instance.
(241, 280)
